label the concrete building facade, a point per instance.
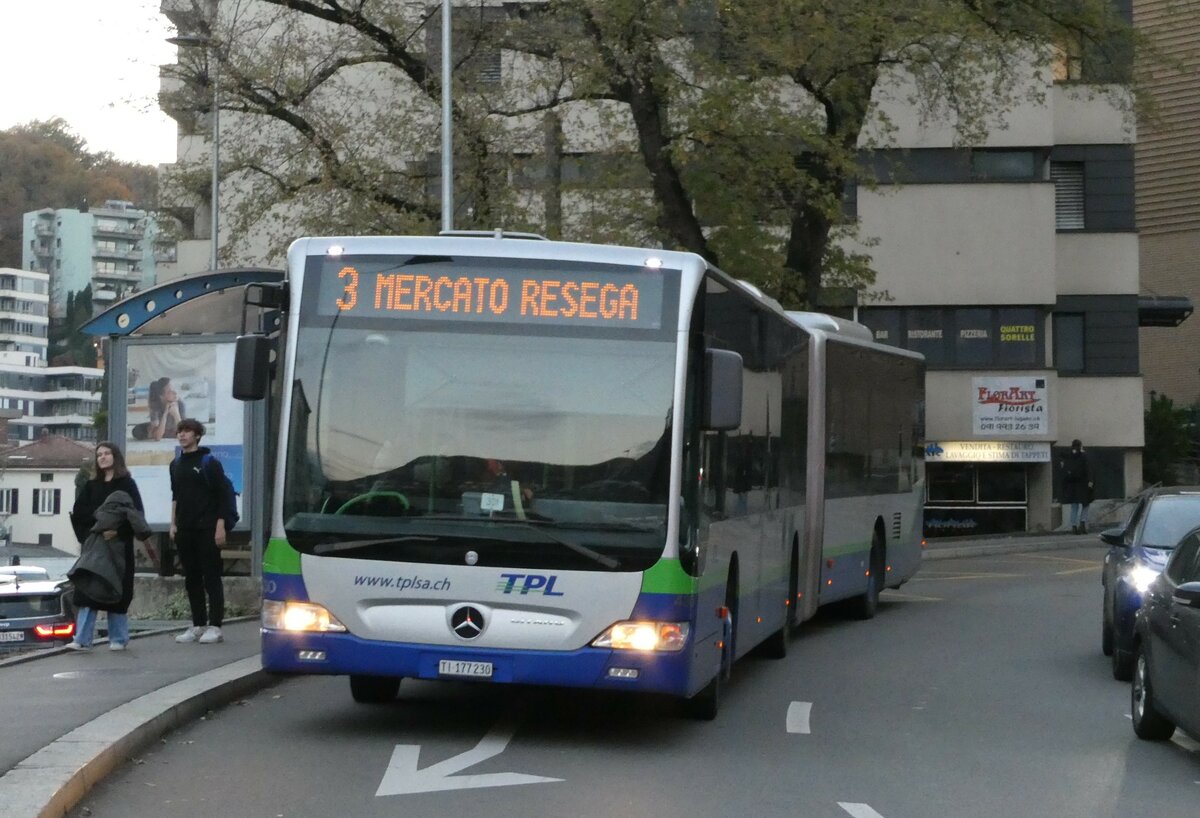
(34, 396)
(1168, 195)
(113, 248)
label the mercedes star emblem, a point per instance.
(467, 622)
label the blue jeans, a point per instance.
(85, 627)
(1076, 514)
(118, 628)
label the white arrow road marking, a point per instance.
(859, 810)
(403, 778)
(797, 717)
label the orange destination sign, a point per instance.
(632, 298)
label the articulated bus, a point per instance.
(523, 461)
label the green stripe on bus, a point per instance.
(668, 577)
(281, 558)
(846, 548)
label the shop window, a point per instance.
(1002, 483)
(950, 483)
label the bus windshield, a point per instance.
(529, 447)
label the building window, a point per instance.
(1068, 342)
(1005, 166)
(1068, 195)
(1068, 60)
(8, 501)
(46, 501)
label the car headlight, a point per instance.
(644, 636)
(1140, 576)
(299, 616)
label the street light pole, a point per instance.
(207, 43)
(447, 125)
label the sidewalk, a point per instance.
(70, 719)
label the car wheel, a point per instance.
(1122, 664)
(1106, 634)
(374, 689)
(1148, 722)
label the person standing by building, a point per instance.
(198, 531)
(1077, 485)
(109, 475)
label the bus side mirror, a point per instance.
(722, 390)
(251, 367)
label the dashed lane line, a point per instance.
(797, 717)
(859, 810)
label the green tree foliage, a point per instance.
(1168, 441)
(45, 164)
(68, 346)
(730, 129)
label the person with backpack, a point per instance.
(200, 518)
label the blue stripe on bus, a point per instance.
(586, 667)
(681, 673)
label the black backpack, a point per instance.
(227, 495)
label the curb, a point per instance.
(1010, 547)
(55, 779)
(44, 652)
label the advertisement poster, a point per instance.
(1006, 406)
(169, 382)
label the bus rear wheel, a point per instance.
(374, 689)
(867, 603)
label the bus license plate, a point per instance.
(12, 636)
(478, 670)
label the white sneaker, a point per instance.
(211, 634)
(73, 645)
(190, 635)
(116, 646)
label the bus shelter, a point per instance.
(169, 355)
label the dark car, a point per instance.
(35, 611)
(1139, 551)
(1166, 649)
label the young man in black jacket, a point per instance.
(199, 532)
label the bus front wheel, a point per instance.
(374, 689)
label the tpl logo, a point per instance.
(529, 584)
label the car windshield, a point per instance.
(1169, 518)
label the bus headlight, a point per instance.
(299, 616)
(1140, 576)
(644, 636)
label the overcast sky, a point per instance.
(93, 63)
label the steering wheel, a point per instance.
(372, 495)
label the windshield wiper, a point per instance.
(351, 545)
(582, 550)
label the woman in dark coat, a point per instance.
(1077, 485)
(110, 475)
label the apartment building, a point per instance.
(35, 397)
(113, 248)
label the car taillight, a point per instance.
(54, 631)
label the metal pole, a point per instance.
(447, 132)
(216, 155)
